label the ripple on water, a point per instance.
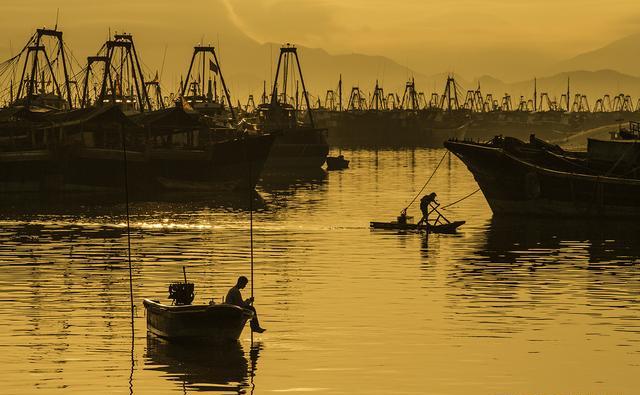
(506, 306)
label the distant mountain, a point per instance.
(321, 70)
(594, 84)
(622, 55)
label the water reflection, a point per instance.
(292, 180)
(25, 206)
(511, 240)
(546, 297)
(204, 367)
(522, 274)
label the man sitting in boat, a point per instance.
(425, 207)
(234, 297)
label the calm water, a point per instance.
(505, 307)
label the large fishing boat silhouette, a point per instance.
(538, 178)
(72, 143)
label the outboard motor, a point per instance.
(182, 293)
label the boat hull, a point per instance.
(211, 323)
(449, 228)
(298, 148)
(226, 165)
(391, 129)
(515, 186)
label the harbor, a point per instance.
(312, 198)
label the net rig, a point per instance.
(449, 99)
(410, 99)
(378, 100)
(204, 66)
(333, 98)
(357, 100)
(281, 110)
(45, 72)
(116, 76)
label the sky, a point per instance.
(377, 26)
(507, 39)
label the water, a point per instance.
(507, 306)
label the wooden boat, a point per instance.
(217, 323)
(445, 228)
(337, 162)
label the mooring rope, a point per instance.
(425, 184)
(459, 200)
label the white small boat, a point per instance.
(217, 323)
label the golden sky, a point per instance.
(508, 39)
(379, 26)
(370, 26)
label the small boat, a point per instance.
(216, 323)
(445, 228)
(211, 323)
(337, 162)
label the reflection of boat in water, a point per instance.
(279, 180)
(537, 178)
(511, 240)
(223, 368)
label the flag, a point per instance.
(213, 67)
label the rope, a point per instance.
(425, 184)
(459, 200)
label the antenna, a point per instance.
(57, 16)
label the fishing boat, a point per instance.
(186, 153)
(534, 179)
(299, 143)
(337, 162)
(217, 323)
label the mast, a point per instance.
(36, 48)
(201, 49)
(340, 93)
(568, 108)
(289, 53)
(120, 54)
(535, 94)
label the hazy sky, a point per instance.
(378, 26)
(428, 36)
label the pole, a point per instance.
(246, 150)
(126, 191)
(251, 222)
